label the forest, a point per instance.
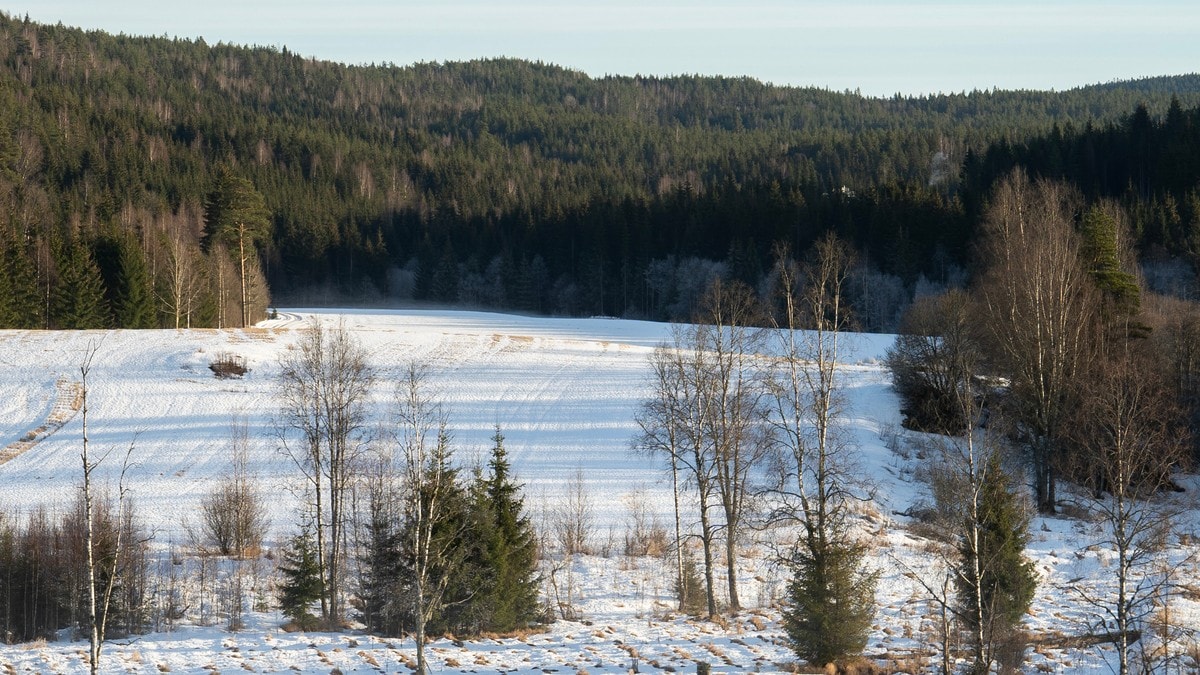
(1036, 254)
(126, 161)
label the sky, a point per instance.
(879, 48)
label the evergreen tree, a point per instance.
(510, 549)
(78, 299)
(127, 280)
(831, 601)
(1006, 580)
(236, 213)
(380, 580)
(444, 516)
(689, 587)
(1101, 253)
(301, 585)
(24, 306)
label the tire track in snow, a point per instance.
(68, 399)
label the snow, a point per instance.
(564, 393)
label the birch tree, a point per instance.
(1040, 308)
(815, 486)
(1129, 438)
(671, 425)
(429, 490)
(324, 385)
(101, 579)
(732, 403)
(235, 212)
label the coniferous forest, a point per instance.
(167, 182)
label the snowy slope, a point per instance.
(563, 391)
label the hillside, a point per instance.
(565, 393)
(497, 183)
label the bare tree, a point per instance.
(235, 516)
(936, 341)
(181, 276)
(704, 415)
(98, 605)
(672, 424)
(573, 517)
(732, 403)
(1040, 307)
(1128, 439)
(815, 484)
(324, 386)
(429, 485)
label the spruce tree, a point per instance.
(510, 548)
(122, 265)
(381, 573)
(1006, 581)
(442, 514)
(301, 585)
(831, 601)
(1101, 255)
(78, 298)
(23, 308)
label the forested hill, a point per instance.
(497, 183)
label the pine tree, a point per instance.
(301, 585)
(236, 213)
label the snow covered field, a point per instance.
(564, 392)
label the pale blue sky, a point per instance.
(880, 47)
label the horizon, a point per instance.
(877, 49)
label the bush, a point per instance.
(228, 365)
(930, 362)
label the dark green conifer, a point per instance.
(831, 602)
(510, 550)
(1101, 255)
(1008, 580)
(78, 298)
(301, 585)
(122, 265)
(381, 572)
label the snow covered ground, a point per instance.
(564, 392)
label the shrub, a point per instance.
(228, 365)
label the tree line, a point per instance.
(500, 182)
